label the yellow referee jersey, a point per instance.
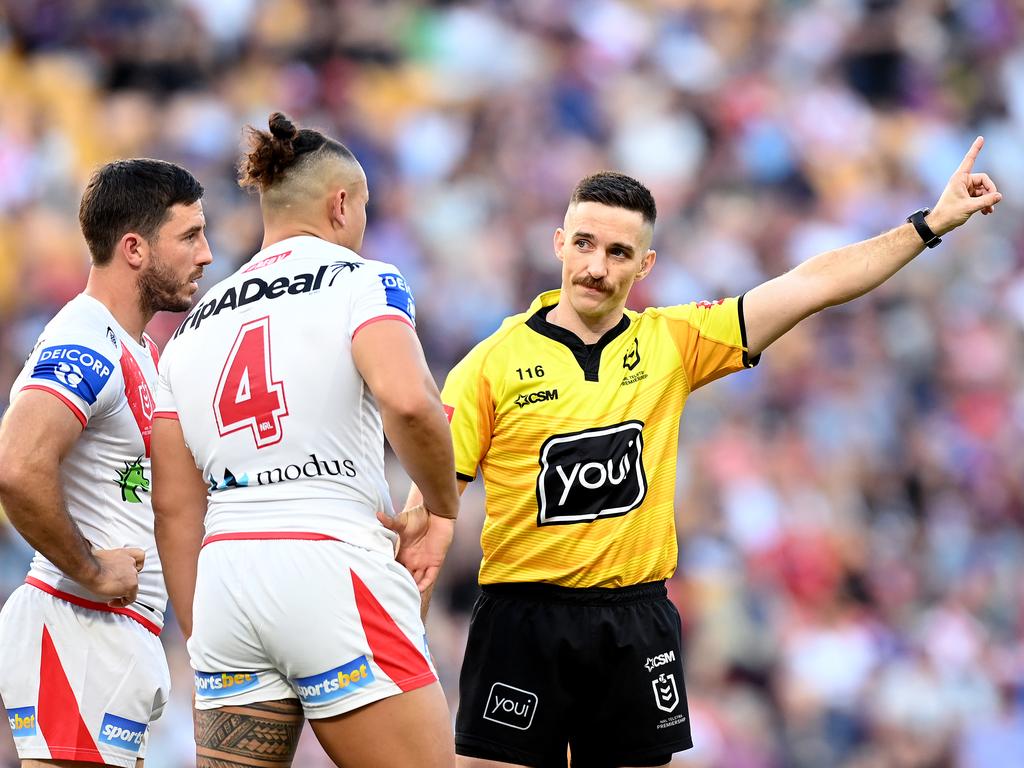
(577, 443)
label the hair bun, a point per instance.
(282, 128)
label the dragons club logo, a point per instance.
(132, 481)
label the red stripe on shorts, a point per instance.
(92, 605)
(60, 720)
(391, 648)
(268, 536)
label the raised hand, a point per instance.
(965, 194)
(117, 579)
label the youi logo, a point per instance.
(23, 721)
(121, 732)
(335, 683)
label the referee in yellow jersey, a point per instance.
(570, 411)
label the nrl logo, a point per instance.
(132, 480)
(632, 358)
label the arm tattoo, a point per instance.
(262, 735)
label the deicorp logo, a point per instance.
(23, 721)
(510, 706)
(122, 732)
(79, 369)
(591, 474)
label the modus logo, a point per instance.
(315, 467)
(591, 474)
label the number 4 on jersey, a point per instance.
(247, 395)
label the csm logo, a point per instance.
(653, 662)
(217, 684)
(23, 721)
(122, 732)
(591, 474)
(510, 706)
(537, 397)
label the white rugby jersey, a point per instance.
(107, 379)
(261, 377)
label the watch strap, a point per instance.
(923, 230)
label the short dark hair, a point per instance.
(131, 196)
(273, 152)
(617, 190)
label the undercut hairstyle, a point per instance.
(618, 191)
(284, 147)
(131, 196)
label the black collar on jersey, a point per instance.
(587, 355)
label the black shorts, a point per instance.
(598, 670)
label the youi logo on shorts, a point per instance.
(335, 683)
(215, 684)
(591, 474)
(23, 721)
(511, 706)
(78, 369)
(122, 732)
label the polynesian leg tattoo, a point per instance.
(262, 735)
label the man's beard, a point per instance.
(160, 290)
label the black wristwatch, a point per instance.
(917, 219)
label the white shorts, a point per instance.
(329, 623)
(78, 683)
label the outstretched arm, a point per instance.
(835, 277)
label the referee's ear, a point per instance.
(646, 265)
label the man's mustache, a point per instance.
(592, 283)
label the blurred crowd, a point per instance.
(850, 512)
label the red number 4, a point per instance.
(247, 395)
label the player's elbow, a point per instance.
(411, 407)
(163, 504)
(17, 471)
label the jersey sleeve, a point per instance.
(710, 337)
(166, 406)
(467, 400)
(75, 367)
(380, 292)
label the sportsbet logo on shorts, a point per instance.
(122, 732)
(23, 721)
(335, 683)
(214, 684)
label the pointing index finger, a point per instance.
(971, 156)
